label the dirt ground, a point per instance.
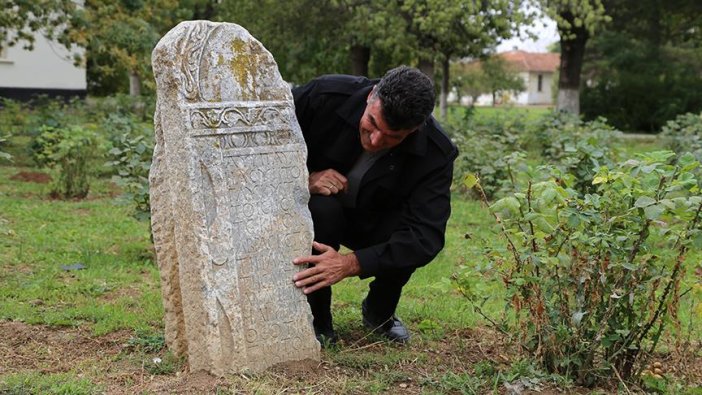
(36, 177)
(109, 361)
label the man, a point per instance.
(380, 172)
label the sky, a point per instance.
(544, 28)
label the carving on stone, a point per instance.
(218, 238)
(191, 48)
(229, 202)
(213, 118)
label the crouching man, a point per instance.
(380, 172)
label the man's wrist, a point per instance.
(353, 265)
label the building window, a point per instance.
(541, 83)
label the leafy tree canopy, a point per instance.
(21, 19)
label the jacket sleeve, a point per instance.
(301, 97)
(419, 234)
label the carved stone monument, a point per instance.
(228, 202)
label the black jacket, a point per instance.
(403, 201)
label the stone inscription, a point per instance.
(230, 212)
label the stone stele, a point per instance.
(228, 202)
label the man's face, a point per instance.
(375, 133)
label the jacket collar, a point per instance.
(352, 111)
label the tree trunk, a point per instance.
(360, 56)
(204, 11)
(427, 67)
(444, 88)
(572, 53)
(569, 100)
(134, 84)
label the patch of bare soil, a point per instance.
(46, 349)
(32, 176)
(305, 369)
(124, 292)
(110, 362)
(183, 383)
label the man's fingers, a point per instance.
(339, 181)
(307, 273)
(319, 285)
(307, 259)
(310, 280)
(321, 247)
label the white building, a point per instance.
(536, 69)
(47, 69)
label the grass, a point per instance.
(113, 304)
(37, 383)
(116, 289)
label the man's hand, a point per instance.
(327, 182)
(329, 268)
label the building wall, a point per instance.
(540, 97)
(49, 67)
(531, 96)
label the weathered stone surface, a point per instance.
(229, 202)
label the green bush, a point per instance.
(592, 280)
(575, 147)
(684, 134)
(70, 154)
(4, 155)
(130, 159)
(140, 108)
(13, 116)
(490, 148)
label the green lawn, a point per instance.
(530, 113)
(115, 302)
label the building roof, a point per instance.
(532, 61)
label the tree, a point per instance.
(119, 36)
(20, 20)
(500, 78)
(577, 21)
(467, 79)
(491, 75)
(312, 37)
(651, 51)
(447, 29)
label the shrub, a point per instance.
(13, 116)
(130, 159)
(490, 148)
(592, 280)
(574, 147)
(684, 134)
(140, 108)
(69, 152)
(4, 155)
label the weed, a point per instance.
(168, 364)
(462, 383)
(146, 341)
(37, 383)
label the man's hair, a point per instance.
(407, 97)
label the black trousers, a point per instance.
(334, 225)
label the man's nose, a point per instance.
(376, 137)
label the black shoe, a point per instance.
(391, 328)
